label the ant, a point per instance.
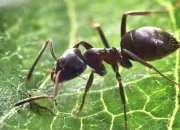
(141, 45)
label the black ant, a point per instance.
(141, 45)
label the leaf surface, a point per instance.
(152, 102)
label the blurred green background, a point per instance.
(152, 102)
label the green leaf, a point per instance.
(152, 101)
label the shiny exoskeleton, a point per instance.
(141, 45)
(149, 43)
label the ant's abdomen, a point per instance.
(149, 43)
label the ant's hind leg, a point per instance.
(142, 12)
(138, 59)
(133, 13)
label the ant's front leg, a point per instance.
(56, 89)
(49, 41)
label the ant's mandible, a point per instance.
(141, 45)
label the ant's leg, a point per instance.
(138, 59)
(101, 33)
(87, 88)
(31, 99)
(39, 55)
(118, 77)
(56, 89)
(84, 44)
(124, 17)
(121, 90)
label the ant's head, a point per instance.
(71, 64)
